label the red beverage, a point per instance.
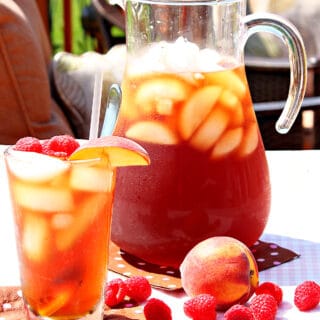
(62, 213)
(208, 174)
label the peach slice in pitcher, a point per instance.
(250, 140)
(197, 108)
(228, 143)
(159, 94)
(152, 131)
(210, 130)
(232, 104)
(228, 79)
(119, 150)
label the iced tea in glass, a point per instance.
(62, 212)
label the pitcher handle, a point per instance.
(282, 28)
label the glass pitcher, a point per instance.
(186, 99)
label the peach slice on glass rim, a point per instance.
(120, 151)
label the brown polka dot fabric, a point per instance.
(270, 255)
(267, 255)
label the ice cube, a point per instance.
(42, 199)
(152, 131)
(228, 143)
(181, 55)
(210, 130)
(86, 213)
(91, 179)
(208, 60)
(35, 237)
(35, 167)
(61, 220)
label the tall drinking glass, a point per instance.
(62, 212)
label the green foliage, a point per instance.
(81, 42)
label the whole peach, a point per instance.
(223, 267)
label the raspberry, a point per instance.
(156, 309)
(138, 288)
(201, 307)
(238, 312)
(307, 295)
(60, 146)
(264, 307)
(270, 288)
(115, 292)
(28, 144)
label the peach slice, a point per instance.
(119, 150)
(231, 102)
(210, 130)
(66, 237)
(250, 140)
(228, 79)
(223, 267)
(159, 94)
(229, 142)
(152, 131)
(58, 300)
(197, 108)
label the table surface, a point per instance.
(293, 224)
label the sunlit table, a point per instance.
(293, 224)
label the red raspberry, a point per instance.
(264, 307)
(270, 288)
(138, 288)
(28, 144)
(115, 292)
(156, 309)
(201, 307)
(60, 146)
(307, 295)
(239, 312)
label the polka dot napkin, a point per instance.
(267, 255)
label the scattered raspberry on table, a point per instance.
(202, 306)
(264, 307)
(307, 295)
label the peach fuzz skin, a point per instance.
(223, 267)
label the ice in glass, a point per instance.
(62, 212)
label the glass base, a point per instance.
(96, 315)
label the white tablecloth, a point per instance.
(293, 224)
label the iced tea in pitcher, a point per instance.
(186, 99)
(208, 174)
